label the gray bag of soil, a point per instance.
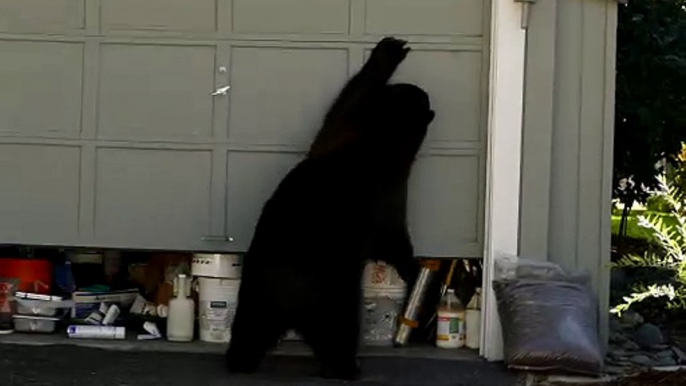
(549, 318)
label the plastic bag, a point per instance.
(511, 267)
(549, 317)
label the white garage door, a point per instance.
(109, 134)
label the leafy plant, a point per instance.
(653, 291)
(677, 171)
(670, 237)
(657, 203)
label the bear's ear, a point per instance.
(430, 116)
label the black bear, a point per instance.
(359, 111)
(303, 268)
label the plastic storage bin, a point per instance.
(36, 324)
(40, 305)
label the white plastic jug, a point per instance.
(181, 319)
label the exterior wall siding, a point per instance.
(567, 141)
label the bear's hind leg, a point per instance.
(333, 332)
(254, 332)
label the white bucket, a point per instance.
(382, 308)
(219, 265)
(217, 301)
(381, 275)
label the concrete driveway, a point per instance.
(79, 366)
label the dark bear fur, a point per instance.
(365, 107)
(341, 205)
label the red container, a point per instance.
(34, 275)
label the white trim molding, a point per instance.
(506, 102)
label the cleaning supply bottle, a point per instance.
(450, 331)
(181, 318)
(473, 321)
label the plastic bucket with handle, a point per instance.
(217, 301)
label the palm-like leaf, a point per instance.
(648, 260)
(653, 291)
(671, 239)
(668, 237)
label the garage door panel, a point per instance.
(165, 163)
(152, 198)
(426, 17)
(40, 92)
(253, 177)
(453, 81)
(279, 95)
(156, 92)
(291, 16)
(39, 198)
(41, 15)
(444, 206)
(166, 15)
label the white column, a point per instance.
(503, 157)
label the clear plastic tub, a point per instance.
(36, 324)
(34, 307)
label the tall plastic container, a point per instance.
(384, 295)
(217, 302)
(450, 331)
(218, 280)
(473, 321)
(181, 319)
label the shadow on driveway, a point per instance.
(78, 366)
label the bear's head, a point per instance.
(401, 122)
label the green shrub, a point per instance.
(658, 203)
(670, 237)
(677, 173)
(635, 230)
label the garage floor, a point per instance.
(197, 347)
(70, 365)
